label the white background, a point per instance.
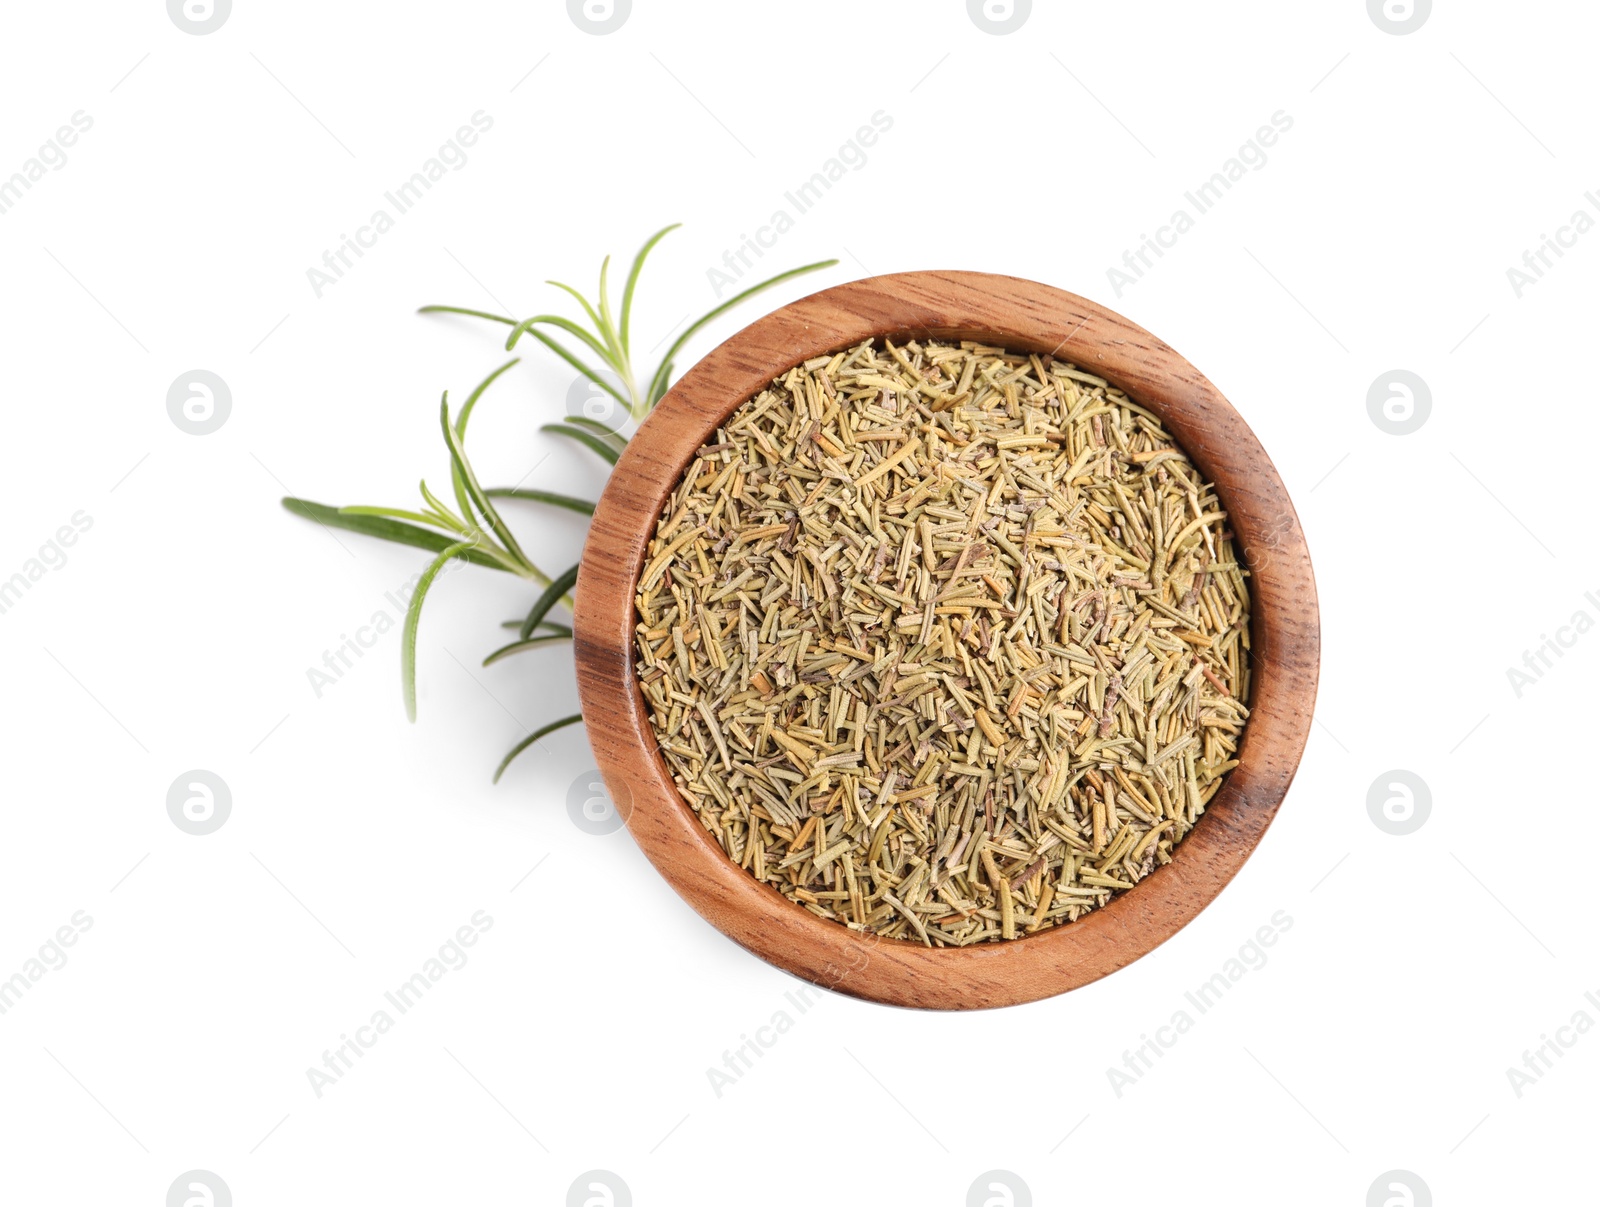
(179, 633)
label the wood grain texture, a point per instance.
(1022, 316)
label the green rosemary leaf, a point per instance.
(517, 647)
(408, 634)
(552, 594)
(633, 280)
(673, 351)
(582, 301)
(443, 517)
(607, 327)
(610, 435)
(531, 739)
(549, 626)
(457, 480)
(457, 483)
(387, 530)
(567, 325)
(472, 398)
(588, 439)
(463, 499)
(478, 314)
(469, 482)
(660, 383)
(571, 360)
(595, 426)
(400, 513)
(542, 496)
(659, 387)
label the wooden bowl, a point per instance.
(1022, 316)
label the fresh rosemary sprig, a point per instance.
(608, 340)
(474, 531)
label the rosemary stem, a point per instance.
(537, 576)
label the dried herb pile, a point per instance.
(944, 643)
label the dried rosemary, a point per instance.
(944, 643)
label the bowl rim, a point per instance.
(1020, 316)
